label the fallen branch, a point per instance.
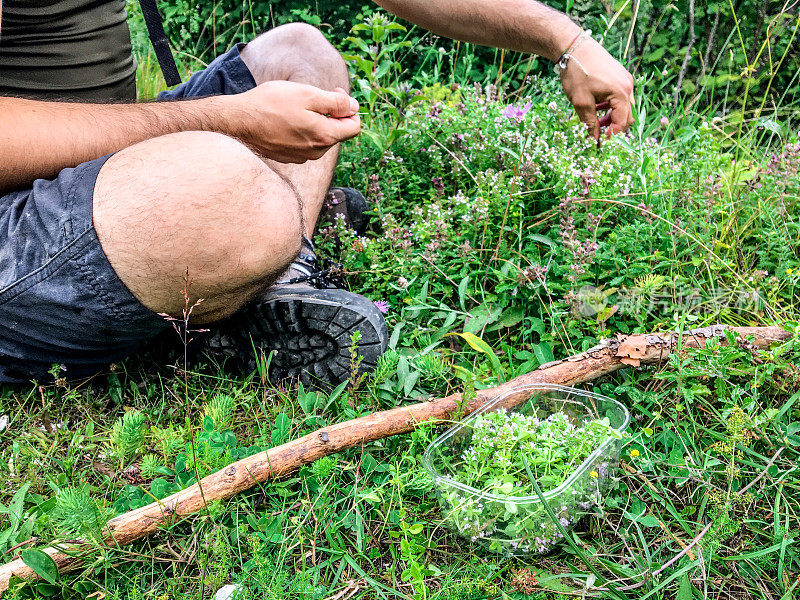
(610, 355)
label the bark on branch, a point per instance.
(608, 356)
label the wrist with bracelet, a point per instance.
(568, 54)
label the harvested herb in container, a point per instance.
(568, 439)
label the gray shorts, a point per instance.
(61, 303)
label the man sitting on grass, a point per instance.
(107, 204)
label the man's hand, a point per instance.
(292, 122)
(530, 26)
(608, 86)
(286, 121)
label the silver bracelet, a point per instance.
(562, 61)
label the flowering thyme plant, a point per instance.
(553, 448)
(483, 469)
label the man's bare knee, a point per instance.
(296, 52)
(198, 201)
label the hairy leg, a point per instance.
(299, 52)
(198, 201)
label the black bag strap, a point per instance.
(155, 30)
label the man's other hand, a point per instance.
(293, 122)
(608, 86)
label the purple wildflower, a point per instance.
(516, 113)
(438, 185)
(382, 305)
(374, 193)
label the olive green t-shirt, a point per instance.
(77, 49)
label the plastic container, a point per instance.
(519, 525)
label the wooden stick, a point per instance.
(610, 355)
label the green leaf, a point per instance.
(647, 521)
(462, 293)
(371, 497)
(336, 393)
(655, 55)
(476, 343)
(395, 337)
(404, 547)
(537, 325)
(543, 353)
(403, 369)
(160, 488)
(481, 316)
(686, 590)
(41, 563)
(552, 581)
(368, 464)
(410, 382)
(543, 239)
(48, 590)
(15, 509)
(443, 330)
(507, 487)
(512, 316)
(479, 345)
(423, 293)
(281, 430)
(377, 139)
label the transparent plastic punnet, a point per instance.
(517, 525)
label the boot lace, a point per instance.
(321, 274)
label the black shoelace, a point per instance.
(322, 275)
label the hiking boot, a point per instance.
(308, 320)
(347, 204)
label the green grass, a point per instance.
(367, 519)
(694, 223)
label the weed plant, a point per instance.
(491, 498)
(552, 447)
